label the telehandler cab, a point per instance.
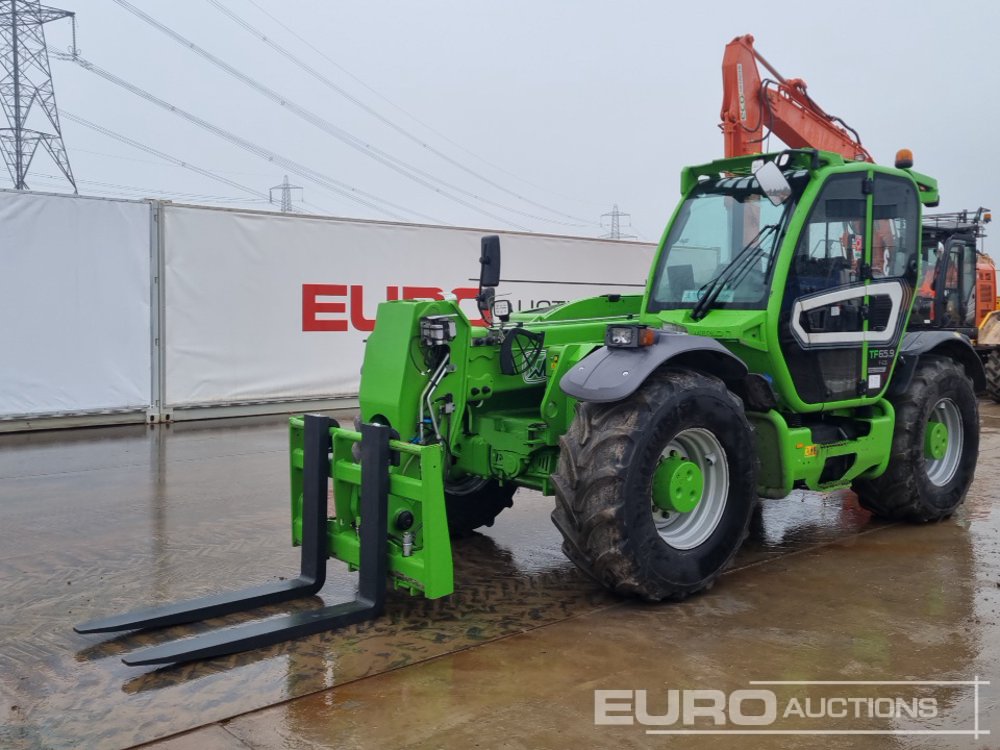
(769, 352)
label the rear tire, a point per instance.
(993, 375)
(611, 527)
(475, 502)
(918, 487)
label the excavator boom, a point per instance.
(782, 106)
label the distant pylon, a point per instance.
(26, 82)
(616, 231)
(286, 195)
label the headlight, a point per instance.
(629, 337)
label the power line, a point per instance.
(78, 150)
(336, 186)
(377, 115)
(133, 190)
(316, 209)
(413, 173)
(407, 170)
(122, 157)
(166, 157)
(406, 112)
(26, 82)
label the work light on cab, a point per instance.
(629, 337)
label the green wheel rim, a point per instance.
(944, 431)
(700, 447)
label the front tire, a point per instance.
(609, 491)
(935, 446)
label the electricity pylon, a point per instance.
(26, 91)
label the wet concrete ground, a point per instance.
(96, 521)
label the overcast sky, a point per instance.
(574, 106)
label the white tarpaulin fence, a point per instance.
(74, 305)
(262, 307)
(111, 306)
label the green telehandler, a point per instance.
(769, 352)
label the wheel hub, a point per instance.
(936, 440)
(677, 485)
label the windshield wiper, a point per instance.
(742, 261)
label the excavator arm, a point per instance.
(782, 106)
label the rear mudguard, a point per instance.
(614, 374)
(949, 344)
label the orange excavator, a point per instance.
(960, 289)
(779, 105)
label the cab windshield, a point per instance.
(722, 244)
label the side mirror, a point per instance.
(489, 262)
(489, 273)
(773, 183)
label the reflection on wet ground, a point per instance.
(98, 521)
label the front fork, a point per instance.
(312, 469)
(418, 546)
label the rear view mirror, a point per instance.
(489, 262)
(773, 183)
(489, 273)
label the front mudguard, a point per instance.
(612, 374)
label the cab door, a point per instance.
(822, 321)
(894, 249)
(955, 284)
(850, 286)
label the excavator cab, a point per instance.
(957, 291)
